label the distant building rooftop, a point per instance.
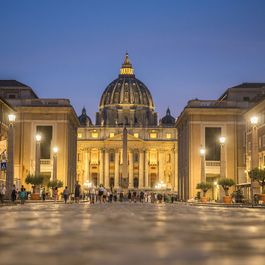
(11, 83)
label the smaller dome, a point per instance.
(168, 120)
(84, 119)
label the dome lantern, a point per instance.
(127, 68)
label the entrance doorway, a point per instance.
(94, 179)
(153, 179)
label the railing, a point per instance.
(40, 102)
(212, 163)
(45, 161)
(217, 104)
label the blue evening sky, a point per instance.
(179, 49)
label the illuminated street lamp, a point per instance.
(10, 155)
(202, 153)
(254, 120)
(37, 159)
(55, 151)
(222, 140)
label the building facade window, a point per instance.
(46, 140)
(153, 135)
(168, 135)
(212, 145)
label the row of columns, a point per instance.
(104, 168)
(143, 173)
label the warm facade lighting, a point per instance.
(55, 149)
(202, 151)
(222, 140)
(11, 118)
(254, 120)
(38, 137)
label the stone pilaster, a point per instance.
(161, 169)
(146, 169)
(130, 169)
(106, 177)
(141, 169)
(101, 166)
(116, 174)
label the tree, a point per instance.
(55, 183)
(226, 184)
(35, 181)
(258, 175)
(204, 187)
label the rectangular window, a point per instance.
(153, 135)
(136, 135)
(46, 139)
(111, 135)
(212, 144)
(168, 135)
(79, 135)
(94, 134)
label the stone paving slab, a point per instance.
(124, 233)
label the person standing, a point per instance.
(100, 193)
(14, 194)
(142, 196)
(130, 196)
(55, 194)
(22, 195)
(2, 193)
(66, 194)
(77, 192)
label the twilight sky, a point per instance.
(179, 49)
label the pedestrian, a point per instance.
(105, 193)
(134, 196)
(22, 195)
(2, 193)
(110, 196)
(43, 195)
(121, 196)
(130, 196)
(100, 193)
(77, 192)
(141, 196)
(55, 194)
(66, 194)
(14, 194)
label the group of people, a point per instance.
(93, 195)
(15, 194)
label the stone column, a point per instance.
(161, 169)
(10, 161)
(175, 168)
(222, 162)
(146, 171)
(106, 177)
(141, 170)
(116, 174)
(88, 177)
(130, 169)
(101, 166)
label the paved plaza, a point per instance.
(123, 233)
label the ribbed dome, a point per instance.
(84, 119)
(168, 120)
(126, 90)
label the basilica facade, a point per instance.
(127, 147)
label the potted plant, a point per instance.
(204, 187)
(55, 183)
(226, 183)
(35, 181)
(258, 175)
(238, 196)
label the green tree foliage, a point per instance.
(258, 175)
(34, 180)
(55, 183)
(204, 187)
(226, 184)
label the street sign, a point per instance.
(3, 166)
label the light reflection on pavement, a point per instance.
(123, 233)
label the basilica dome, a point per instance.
(126, 101)
(126, 90)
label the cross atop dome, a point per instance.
(127, 68)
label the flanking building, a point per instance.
(54, 119)
(201, 155)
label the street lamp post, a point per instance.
(202, 153)
(37, 159)
(222, 140)
(10, 155)
(55, 151)
(254, 152)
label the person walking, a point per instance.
(142, 196)
(43, 195)
(77, 192)
(134, 196)
(66, 193)
(14, 194)
(22, 195)
(55, 194)
(2, 193)
(130, 196)
(100, 193)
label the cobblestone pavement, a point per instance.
(123, 233)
